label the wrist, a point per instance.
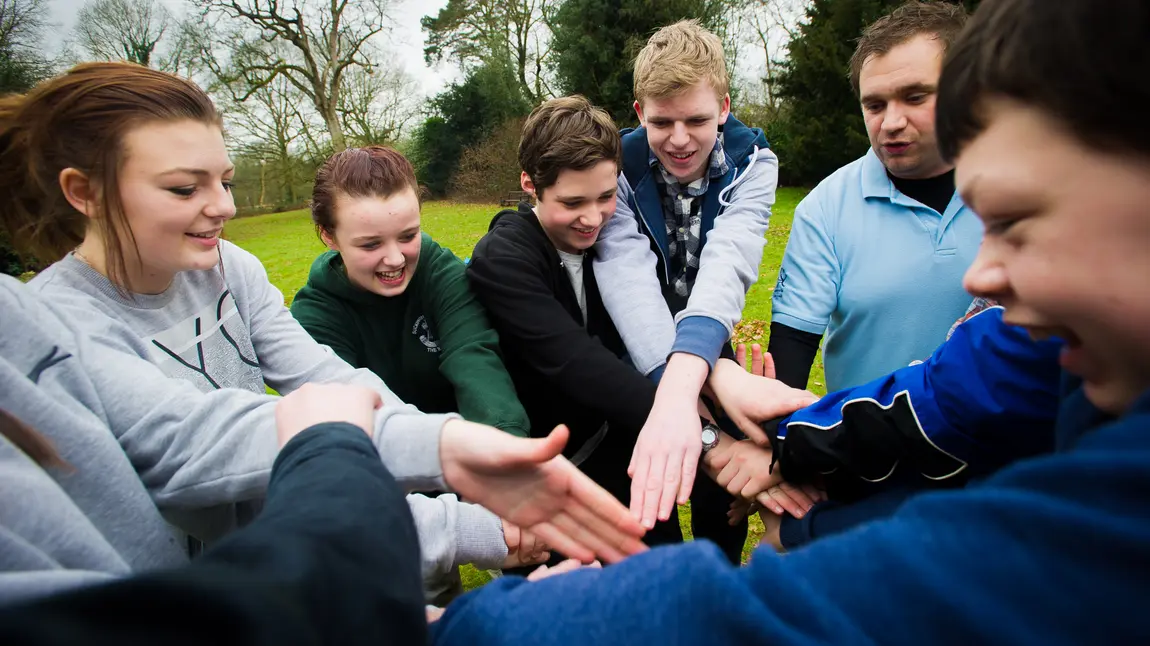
(684, 377)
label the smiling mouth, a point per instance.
(391, 276)
(681, 157)
(207, 235)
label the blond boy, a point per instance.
(695, 197)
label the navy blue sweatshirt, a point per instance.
(332, 559)
(1050, 550)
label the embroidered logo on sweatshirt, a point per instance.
(423, 331)
(781, 284)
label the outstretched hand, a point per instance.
(529, 483)
(752, 398)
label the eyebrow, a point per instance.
(692, 117)
(914, 88)
(198, 172)
(576, 198)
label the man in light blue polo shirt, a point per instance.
(878, 249)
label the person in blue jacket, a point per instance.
(987, 397)
(1041, 106)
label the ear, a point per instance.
(79, 191)
(526, 184)
(724, 109)
(639, 113)
(328, 240)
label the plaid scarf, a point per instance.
(681, 212)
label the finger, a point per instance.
(741, 355)
(752, 430)
(768, 503)
(769, 366)
(653, 488)
(639, 484)
(595, 545)
(789, 504)
(798, 495)
(741, 481)
(585, 493)
(564, 544)
(537, 573)
(570, 565)
(814, 493)
(688, 471)
(603, 532)
(757, 364)
(512, 536)
(728, 474)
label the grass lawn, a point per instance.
(286, 243)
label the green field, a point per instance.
(286, 243)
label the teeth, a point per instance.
(210, 234)
(389, 275)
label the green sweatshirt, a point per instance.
(432, 345)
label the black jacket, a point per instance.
(564, 372)
(333, 559)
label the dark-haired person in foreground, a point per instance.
(1041, 107)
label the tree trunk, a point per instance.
(335, 129)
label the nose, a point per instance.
(593, 217)
(986, 276)
(392, 256)
(679, 135)
(894, 118)
(221, 205)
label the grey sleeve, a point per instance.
(195, 449)
(453, 533)
(47, 544)
(625, 269)
(730, 262)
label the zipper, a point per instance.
(666, 265)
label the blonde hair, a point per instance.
(677, 57)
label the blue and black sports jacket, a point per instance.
(986, 397)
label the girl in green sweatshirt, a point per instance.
(386, 297)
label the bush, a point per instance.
(490, 169)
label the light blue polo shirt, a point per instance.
(879, 272)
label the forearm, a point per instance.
(627, 274)
(794, 353)
(454, 533)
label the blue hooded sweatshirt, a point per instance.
(1050, 550)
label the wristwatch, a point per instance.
(710, 437)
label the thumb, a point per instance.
(539, 450)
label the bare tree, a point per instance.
(22, 27)
(376, 103)
(266, 127)
(775, 23)
(325, 39)
(126, 30)
(477, 31)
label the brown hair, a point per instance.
(372, 171)
(566, 133)
(677, 57)
(942, 20)
(79, 120)
(1083, 62)
(35, 445)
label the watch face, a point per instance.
(709, 435)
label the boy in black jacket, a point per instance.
(532, 273)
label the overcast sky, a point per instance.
(406, 40)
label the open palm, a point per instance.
(529, 483)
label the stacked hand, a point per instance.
(666, 455)
(744, 469)
(752, 398)
(313, 404)
(529, 483)
(523, 547)
(570, 565)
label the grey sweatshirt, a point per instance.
(180, 381)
